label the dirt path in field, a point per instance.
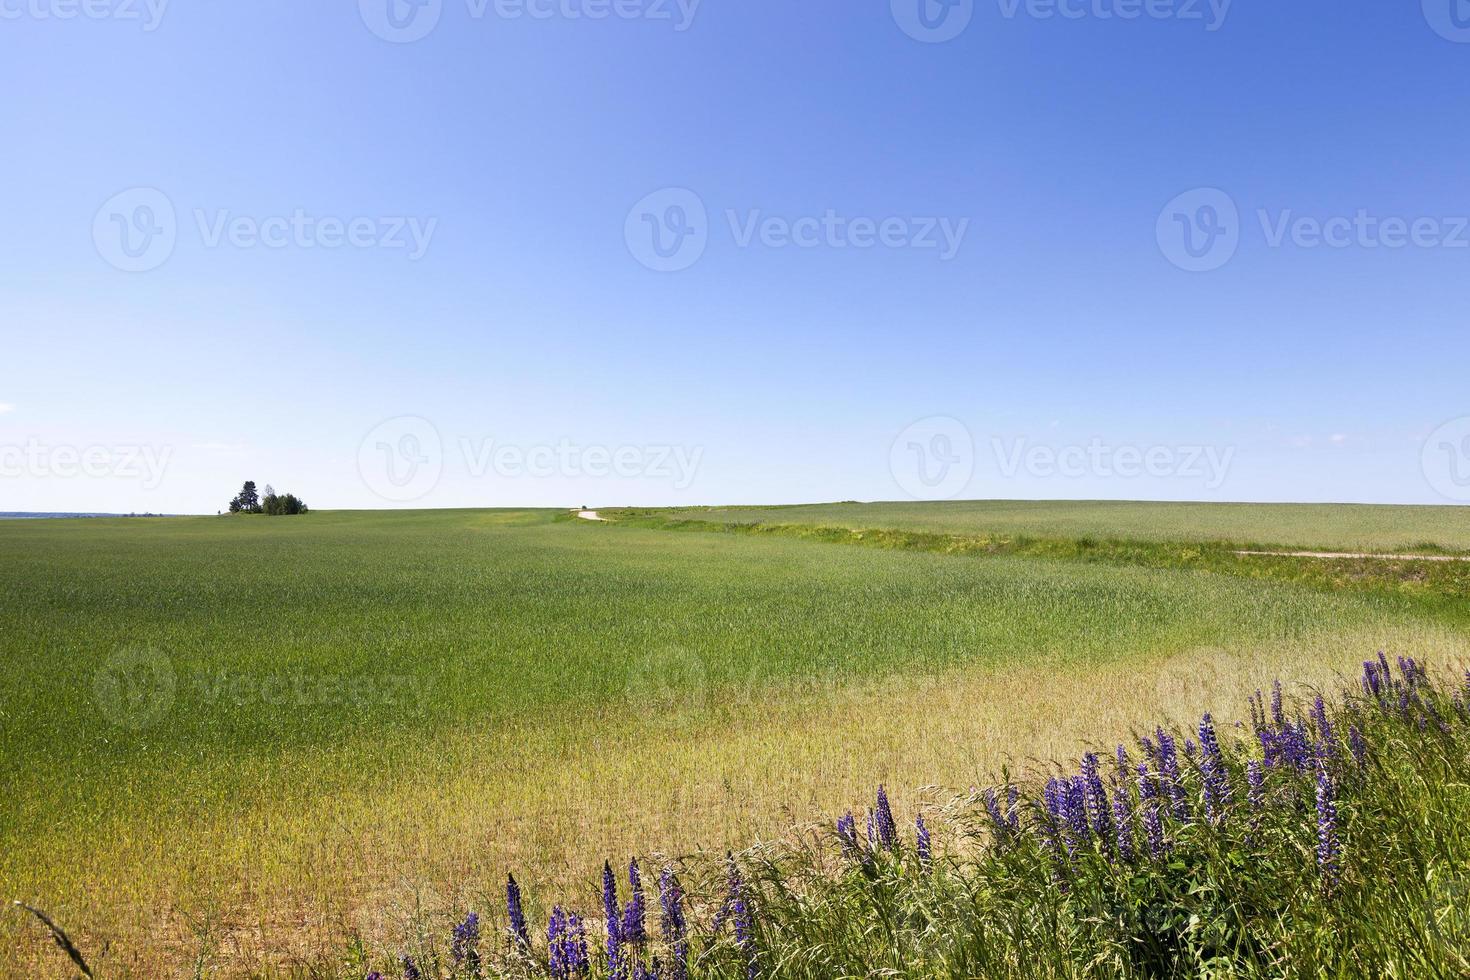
(1354, 554)
(590, 515)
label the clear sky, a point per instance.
(465, 253)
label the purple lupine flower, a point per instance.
(1123, 821)
(1271, 746)
(922, 845)
(872, 831)
(1329, 849)
(559, 945)
(1358, 746)
(1216, 776)
(578, 958)
(1054, 806)
(1258, 710)
(1295, 749)
(616, 967)
(1372, 682)
(847, 833)
(1153, 829)
(374, 975)
(1413, 673)
(887, 829)
(1013, 812)
(1169, 770)
(634, 930)
(1277, 714)
(1053, 798)
(464, 943)
(1149, 748)
(1324, 727)
(675, 927)
(992, 807)
(1189, 749)
(744, 931)
(1147, 785)
(516, 912)
(1095, 798)
(411, 969)
(1075, 802)
(1122, 755)
(1384, 673)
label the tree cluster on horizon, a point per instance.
(248, 501)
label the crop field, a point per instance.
(237, 746)
(1338, 527)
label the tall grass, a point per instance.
(1321, 838)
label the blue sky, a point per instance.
(396, 272)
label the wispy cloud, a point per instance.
(6, 407)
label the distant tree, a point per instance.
(282, 504)
(247, 501)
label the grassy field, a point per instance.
(1341, 527)
(242, 741)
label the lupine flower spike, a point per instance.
(516, 913)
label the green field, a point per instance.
(1339, 527)
(250, 739)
